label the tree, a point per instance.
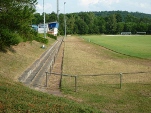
(61, 24)
(37, 19)
(142, 27)
(82, 26)
(111, 24)
(120, 27)
(15, 18)
(131, 18)
(52, 17)
(70, 24)
(149, 29)
(101, 24)
(128, 27)
(118, 17)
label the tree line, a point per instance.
(106, 22)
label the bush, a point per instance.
(44, 40)
(41, 39)
(15, 39)
(52, 36)
(8, 38)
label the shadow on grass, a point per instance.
(72, 88)
(5, 50)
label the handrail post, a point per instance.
(54, 59)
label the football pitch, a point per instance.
(131, 45)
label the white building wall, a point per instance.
(41, 28)
(55, 31)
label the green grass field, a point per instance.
(103, 92)
(137, 46)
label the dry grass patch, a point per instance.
(82, 58)
(103, 92)
(12, 64)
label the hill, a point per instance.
(123, 14)
(103, 22)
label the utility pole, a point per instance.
(58, 10)
(64, 21)
(44, 20)
(44, 23)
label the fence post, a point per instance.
(46, 78)
(121, 80)
(75, 83)
(60, 85)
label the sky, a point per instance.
(72, 6)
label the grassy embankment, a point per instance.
(103, 92)
(15, 97)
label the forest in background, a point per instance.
(104, 22)
(16, 18)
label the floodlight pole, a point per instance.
(58, 10)
(64, 21)
(44, 20)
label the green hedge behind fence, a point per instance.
(52, 36)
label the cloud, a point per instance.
(47, 8)
(96, 5)
(109, 5)
(109, 2)
(87, 3)
(39, 7)
(140, 6)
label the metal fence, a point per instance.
(113, 78)
(117, 79)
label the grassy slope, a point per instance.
(138, 46)
(14, 97)
(103, 92)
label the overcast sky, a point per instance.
(72, 6)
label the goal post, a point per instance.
(141, 33)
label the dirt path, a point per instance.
(54, 80)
